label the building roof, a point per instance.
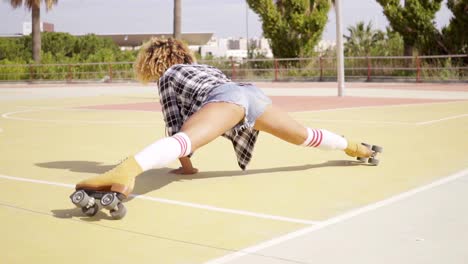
(135, 39)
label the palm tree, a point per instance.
(361, 39)
(35, 7)
(177, 19)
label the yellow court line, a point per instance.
(180, 203)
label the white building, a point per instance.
(232, 47)
(44, 27)
(237, 53)
(237, 47)
(324, 45)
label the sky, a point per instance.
(224, 18)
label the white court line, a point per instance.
(186, 204)
(379, 106)
(336, 219)
(440, 120)
(355, 121)
(10, 115)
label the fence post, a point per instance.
(233, 75)
(110, 72)
(276, 69)
(70, 77)
(321, 68)
(31, 73)
(418, 69)
(368, 68)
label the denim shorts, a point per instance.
(251, 98)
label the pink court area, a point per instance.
(314, 103)
(291, 103)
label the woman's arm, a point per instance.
(186, 168)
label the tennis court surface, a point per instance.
(292, 205)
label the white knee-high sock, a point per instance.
(164, 151)
(324, 139)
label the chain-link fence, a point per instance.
(414, 69)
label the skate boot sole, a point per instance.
(372, 160)
(118, 188)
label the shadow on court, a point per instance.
(158, 178)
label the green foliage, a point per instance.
(293, 27)
(89, 45)
(455, 34)
(60, 44)
(392, 44)
(64, 48)
(59, 52)
(11, 70)
(414, 22)
(362, 38)
(16, 49)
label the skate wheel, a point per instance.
(90, 211)
(80, 198)
(377, 149)
(109, 201)
(119, 213)
(367, 145)
(373, 161)
(362, 159)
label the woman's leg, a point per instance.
(211, 121)
(281, 125)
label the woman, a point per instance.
(199, 103)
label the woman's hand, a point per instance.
(186, 168)
(184, 171)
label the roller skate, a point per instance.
(364, 152)
(110, 188)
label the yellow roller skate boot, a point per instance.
(120, 179)
(108, 189)
(358, 150)
(363, 152)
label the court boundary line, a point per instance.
(421, 123)
(337, 219)
(441, 120)
(9, 115)
(180, 203)
(378, 106)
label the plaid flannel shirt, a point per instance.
(182, 90)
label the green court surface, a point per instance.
(53, 137)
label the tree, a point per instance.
(35, 7)
(293, 27)
(391, 45)
(414, 21)
(455, 34)
(362, 38)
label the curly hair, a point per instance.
(157, 55)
